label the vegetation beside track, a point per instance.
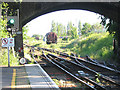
(4, 58)
(98, 46)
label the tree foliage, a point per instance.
(54, 27)
(3, 21)
(79, 28)
(69, 28)
(35, 35)
(61, 31)
(86, 28)
(112, 28)
(97, 28)
(3, 31)
(73, 31)
(25, 31)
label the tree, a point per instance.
(97, 28)
(72, 30)
(3, 31)
(35, 35)
(61, 30)
(86, 28)
(64, 31)
(79, 28)
(3, 21)
(25, 30)
(69, 28)
(114, 29)
(54, 28)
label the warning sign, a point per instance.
(7, 42)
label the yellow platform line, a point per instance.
(13, 80)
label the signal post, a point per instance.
(14, 27)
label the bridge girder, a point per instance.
(31, 10)
(109, 10)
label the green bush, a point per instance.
(4, 58)
(97, 46)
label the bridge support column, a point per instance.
(118, 51)
(19, 43)
(19, 36)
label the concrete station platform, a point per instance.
(26, 77)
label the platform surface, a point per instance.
(6, 77)
(26, 77)
(14, 77)
(39, 78)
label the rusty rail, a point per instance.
(85, 67)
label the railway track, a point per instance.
(89, 83)
(106, 73)
(65, 78)
(86, 62)
(88, 70)
(76, 66)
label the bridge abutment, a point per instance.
(118, 33)
(19, 45)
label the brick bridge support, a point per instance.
(118, 31)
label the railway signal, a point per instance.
(10, 23)
(13, 22)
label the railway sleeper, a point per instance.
(91, 87)
(82, 77)
(92, 62)
(102, 76)
(60, 53)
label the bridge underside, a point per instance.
(31, 10)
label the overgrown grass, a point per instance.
(97, 46)
(4, 58)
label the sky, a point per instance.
(42, 24)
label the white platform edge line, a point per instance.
(55, 86)
(48, 76)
